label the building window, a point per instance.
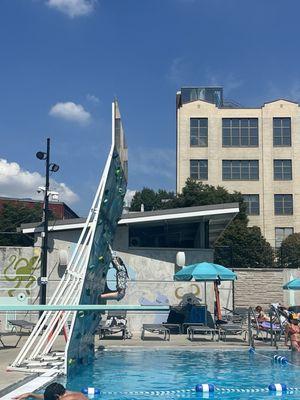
(240, 132)
(252, 203)
(198, 132)
(199, 169)
(181, 235)
(243, 170)
(282, 170)
(281, 234)
(283, 204)
(282, 131)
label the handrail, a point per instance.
(81, 307)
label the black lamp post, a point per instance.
(53, 168)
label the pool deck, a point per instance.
(152, 341)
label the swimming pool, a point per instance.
(143, 374)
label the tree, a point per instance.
(289, 252)
(246, 246)
(151, 200)
(11, 217)
(239, 246)
(199, 194)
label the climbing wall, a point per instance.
(80, 350)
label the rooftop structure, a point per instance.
(59, 209)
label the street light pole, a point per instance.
(53, 168)
(43, 293)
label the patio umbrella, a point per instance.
(206, 272)
(294, 284)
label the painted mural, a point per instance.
(18, 272)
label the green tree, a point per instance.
(199, 194)
(11, 217)
(243, 247)
(151, 199)
(289, 252)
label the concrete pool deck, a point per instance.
(14, 378)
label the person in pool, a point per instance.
(292, 330)
(54, 391)
(121, 278)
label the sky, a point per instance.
(62, 62)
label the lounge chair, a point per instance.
(266, 328)
(235, 325)
(115, 323)
(201, 328)
(160, 329)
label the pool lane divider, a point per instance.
(277, 359)
(204, 389)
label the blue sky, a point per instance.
(63, 62)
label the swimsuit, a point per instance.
(294, 331)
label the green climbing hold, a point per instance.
(80, 314)
(101, 259)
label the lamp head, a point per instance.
(41, 155)
(54, 167)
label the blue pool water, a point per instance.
(117, 373)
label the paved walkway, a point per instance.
(151, 341)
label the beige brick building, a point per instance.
(252, 150)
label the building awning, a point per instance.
(218, 216)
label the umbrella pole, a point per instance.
(217, 294)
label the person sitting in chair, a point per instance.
(121, 278)
(261, 316)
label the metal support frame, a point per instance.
(68, 290)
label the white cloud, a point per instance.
(70, 112)
(92, 98)
(17, 182)
(177, 71)
(73, 8)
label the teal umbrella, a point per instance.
(292, 285)
(206, 272)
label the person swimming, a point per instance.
(121, 279)
(54, 391)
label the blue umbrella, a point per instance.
(292, 285)
(206, 272)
